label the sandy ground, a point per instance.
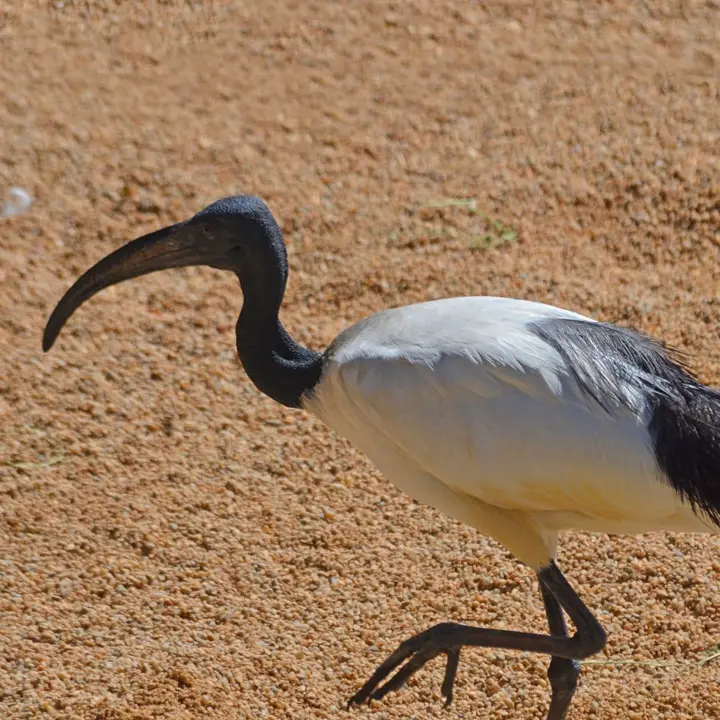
(174, 545)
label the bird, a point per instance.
(517, 418)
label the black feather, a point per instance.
(615, 368)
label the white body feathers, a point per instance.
(466, 409)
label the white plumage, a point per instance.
(465, 409)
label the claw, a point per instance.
(453, 660)
(418, 651)
(360, 697)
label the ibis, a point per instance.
(517, 418)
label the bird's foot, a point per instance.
(442, 639)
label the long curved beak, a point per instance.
(179, 245)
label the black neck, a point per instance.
(277, 365)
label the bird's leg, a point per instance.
(563, 673)
(449, 638)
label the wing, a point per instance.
(504, 417)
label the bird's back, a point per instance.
(497, 400)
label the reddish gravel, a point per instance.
(173, 544)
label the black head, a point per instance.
(220, 236)
(241, 221)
